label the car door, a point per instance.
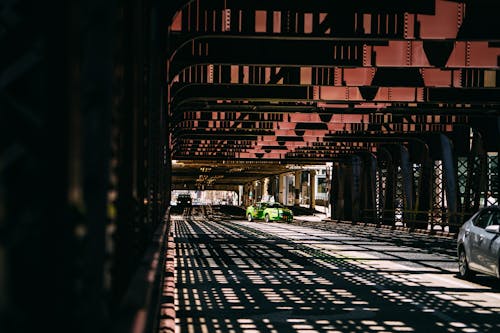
(272, 210)
(477, 237)
(260, 210)
(489, 244)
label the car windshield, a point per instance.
(276, 205)
(484, 217)
(495, 219)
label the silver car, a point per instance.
(478, 244)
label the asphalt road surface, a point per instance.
(248, 277)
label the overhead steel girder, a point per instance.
(329, 94)
(264, 93)
(244, 61)
(334, 146)
(368, 6)
(299, 133)
(330, 18)
(368, 76)
(341, 136)
(289, 51)
(255, 107)
(292, 157)
(281, 51)
(298, 137)
(257, 149)
(237, 176)
(468, 19)
(327, 110)
(281, 146)
(303, 120)
(263, 122)
(322, 18)
(412, 20)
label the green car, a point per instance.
(268, 211)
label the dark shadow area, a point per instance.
(256, 277)
(231, 211)
(177, 210)
(303, 211)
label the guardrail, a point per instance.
(166, 306)
(148, 305)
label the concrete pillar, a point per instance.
(257, 186)
(297, 187)
(312, 186)
(265, 189)
(275, 182)
(251, 194)
(282, 189)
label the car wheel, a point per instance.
(463, 265)
(267, 218)
(249, 217)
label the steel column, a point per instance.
(408, 195)
(368, 188)
(389, 187)
(477, 172)
(450, 183)
(424, 196)
(346, 183)
(355, 188)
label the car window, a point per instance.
(483, 219)
(495, 218)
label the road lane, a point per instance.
(235, 276)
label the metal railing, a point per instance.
(148, 305)
(432, 220)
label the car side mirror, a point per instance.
(495, 229)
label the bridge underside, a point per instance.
(401, 98)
